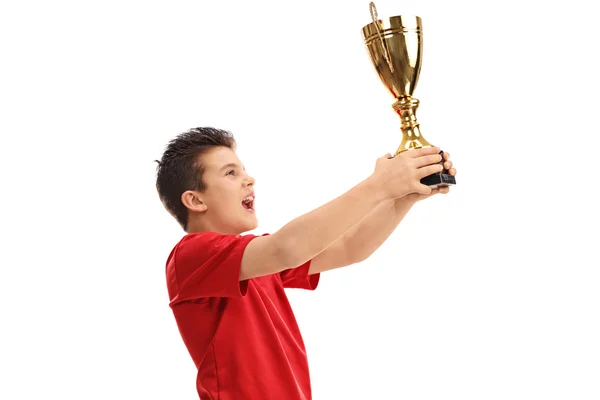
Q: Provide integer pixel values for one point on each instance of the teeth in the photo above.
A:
(248, 199)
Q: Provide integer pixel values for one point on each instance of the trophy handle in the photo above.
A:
(377, 22)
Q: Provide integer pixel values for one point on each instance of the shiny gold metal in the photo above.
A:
(395, 46)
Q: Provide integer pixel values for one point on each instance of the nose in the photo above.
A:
(249, 180)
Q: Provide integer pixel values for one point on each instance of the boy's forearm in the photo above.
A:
(308, 235)
(372, 231)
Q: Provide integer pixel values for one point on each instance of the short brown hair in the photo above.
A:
(181, 169)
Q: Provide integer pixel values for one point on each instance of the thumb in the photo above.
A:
(387, 155)
(424, 190)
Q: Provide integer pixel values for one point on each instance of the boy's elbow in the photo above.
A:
(265, 256)
(287, 254)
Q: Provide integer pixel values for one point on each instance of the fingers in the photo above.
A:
(432, 191)
(423, 189)
(423, 151)
(430, 164)
(429, 170)
(448, 165)
(428, 160)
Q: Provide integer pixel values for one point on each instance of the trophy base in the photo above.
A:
(438, 180)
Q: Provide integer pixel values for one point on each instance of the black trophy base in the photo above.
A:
(439, 179)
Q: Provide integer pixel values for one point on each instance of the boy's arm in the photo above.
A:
(306, 236)
(364, 238)
(303, 238)
(372, 231)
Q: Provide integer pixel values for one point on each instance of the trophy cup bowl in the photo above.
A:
(395, 46)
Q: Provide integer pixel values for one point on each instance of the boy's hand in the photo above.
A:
(399, 176)
(448, 166)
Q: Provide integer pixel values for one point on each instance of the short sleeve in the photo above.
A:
(298, 278)
(205, 265)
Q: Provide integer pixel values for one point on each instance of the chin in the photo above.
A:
(253, 225)
(248, 224)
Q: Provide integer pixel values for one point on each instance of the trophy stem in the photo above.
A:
(406, 108)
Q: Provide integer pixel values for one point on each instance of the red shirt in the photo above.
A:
(242, 335)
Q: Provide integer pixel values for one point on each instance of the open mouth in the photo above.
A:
(248, 203)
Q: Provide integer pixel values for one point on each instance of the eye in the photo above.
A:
(231, 172)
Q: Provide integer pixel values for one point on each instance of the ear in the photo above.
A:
(193, 201)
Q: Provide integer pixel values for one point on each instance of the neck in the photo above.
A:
(197, 225)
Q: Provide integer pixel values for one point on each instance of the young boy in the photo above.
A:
(226, 288)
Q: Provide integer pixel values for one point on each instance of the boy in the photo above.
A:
(226, 289)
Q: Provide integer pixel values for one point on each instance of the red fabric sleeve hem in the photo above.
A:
(215, 276)
(298, 278)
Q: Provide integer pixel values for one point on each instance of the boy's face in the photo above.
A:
(228, 205)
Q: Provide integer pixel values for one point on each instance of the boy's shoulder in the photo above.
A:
(214, 238)
(199, 244)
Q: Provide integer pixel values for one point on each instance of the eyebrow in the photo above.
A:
(231, 165)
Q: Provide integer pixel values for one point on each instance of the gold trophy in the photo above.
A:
(395, 46)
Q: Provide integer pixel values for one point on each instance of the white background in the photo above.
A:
(490, 292)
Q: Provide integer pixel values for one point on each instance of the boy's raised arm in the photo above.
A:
(308, 235)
